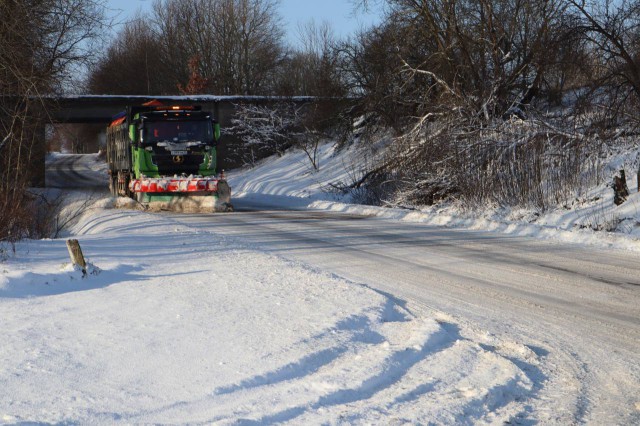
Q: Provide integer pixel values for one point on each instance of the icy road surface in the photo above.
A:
(80, 171)
(576, 308)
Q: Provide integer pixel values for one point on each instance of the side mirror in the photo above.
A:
(132, 133)
(216, 131)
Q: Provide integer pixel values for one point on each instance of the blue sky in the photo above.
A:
(339, 13)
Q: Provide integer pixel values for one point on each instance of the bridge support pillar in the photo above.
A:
(38, 156)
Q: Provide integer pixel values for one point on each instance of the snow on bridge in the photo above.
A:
(100, 108)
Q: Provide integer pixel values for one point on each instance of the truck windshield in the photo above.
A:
(178, 131)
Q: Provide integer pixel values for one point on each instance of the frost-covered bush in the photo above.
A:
(273, 128)
(508, 162)
(264, 129)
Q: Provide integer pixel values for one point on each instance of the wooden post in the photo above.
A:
(625, 188)
(75, 252)
(620, 189)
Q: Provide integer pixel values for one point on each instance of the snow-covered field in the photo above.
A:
(174, 324)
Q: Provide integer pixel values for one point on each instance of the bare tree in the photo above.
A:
(238, 42)
(312, 67)
(41, 44)
(133, 63)
(490, 53)
(369, 64)
(264, 130)
(612, 31)
(233, 46)
(268, 129)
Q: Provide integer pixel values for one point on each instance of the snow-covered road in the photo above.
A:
(76, 171)
(577, 308)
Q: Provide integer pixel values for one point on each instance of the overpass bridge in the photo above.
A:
(101, 109)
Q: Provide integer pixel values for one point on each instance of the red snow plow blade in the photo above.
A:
(163, 185)
(189, 194)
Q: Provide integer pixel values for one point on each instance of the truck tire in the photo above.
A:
(113, 185)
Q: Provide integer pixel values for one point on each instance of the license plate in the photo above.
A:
(178, 152)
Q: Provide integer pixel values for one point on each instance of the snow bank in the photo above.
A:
(183, 326)
(289, 181)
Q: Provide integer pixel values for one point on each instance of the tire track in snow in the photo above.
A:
(72, 171)
(514, 285)
(391, 371)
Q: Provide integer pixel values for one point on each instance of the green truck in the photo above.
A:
(165, 157)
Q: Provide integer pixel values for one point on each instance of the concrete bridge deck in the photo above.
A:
(100, 108)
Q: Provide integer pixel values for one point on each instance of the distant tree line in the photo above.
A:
(233, 47)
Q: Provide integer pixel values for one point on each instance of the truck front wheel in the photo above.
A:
(122, 182)
(113, 185)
